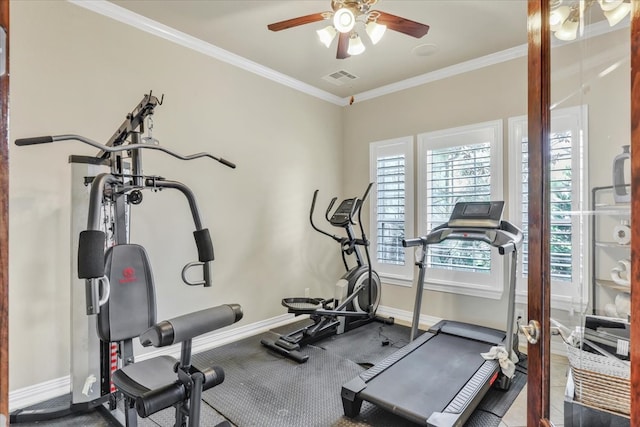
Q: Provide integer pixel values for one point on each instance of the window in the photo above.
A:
(568, 197)
(455, 165)
(391, 164)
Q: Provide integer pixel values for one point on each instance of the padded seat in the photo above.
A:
(141, 377)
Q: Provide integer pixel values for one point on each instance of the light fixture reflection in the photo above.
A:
(558, 16)
(616, 15)
(326, 35)
(356, 47)
(609, 4)
(568, 31)
(344, 20)
(564, 20)
(375, 31)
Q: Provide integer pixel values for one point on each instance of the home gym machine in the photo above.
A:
(357, 291)
(439, 378)
(115, 295)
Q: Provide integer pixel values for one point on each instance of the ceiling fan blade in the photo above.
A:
(402, 25)
(300, 20)
(343, 45)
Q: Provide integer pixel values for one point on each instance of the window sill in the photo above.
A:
(465, 289)
(454, 288)
(391, 279)
(558, 302)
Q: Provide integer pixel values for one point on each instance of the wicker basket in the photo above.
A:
(600, 382)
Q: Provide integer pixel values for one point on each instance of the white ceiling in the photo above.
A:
(461, 30)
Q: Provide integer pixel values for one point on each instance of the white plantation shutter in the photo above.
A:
(568, 197)
(391, 168)
(390, 217)
(457, 174)
(561, 205)
(461, 164)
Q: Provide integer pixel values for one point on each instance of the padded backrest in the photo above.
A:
(131, 308)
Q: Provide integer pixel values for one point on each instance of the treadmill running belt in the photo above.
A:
(428, 379)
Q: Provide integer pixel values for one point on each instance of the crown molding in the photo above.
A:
(515, 52)
(125, 16)
(120, 14)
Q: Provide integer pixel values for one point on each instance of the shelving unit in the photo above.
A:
(608, 209)
(605, 252)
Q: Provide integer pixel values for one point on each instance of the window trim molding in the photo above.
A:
(493, 286)
(517, 128)
(389, 273)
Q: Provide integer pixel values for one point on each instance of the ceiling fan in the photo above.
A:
(344, 15)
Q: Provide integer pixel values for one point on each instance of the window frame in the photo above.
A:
(460, 282)
(574, 119)
(392, 273)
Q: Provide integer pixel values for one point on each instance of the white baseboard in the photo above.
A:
(406, 316)
(46, 390)
(39, 392)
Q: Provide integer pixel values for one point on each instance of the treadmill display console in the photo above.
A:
(476, 214)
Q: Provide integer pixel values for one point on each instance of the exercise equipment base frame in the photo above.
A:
(470, 391)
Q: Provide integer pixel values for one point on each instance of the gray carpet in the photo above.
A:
(265, 389)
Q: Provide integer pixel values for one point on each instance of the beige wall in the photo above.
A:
(74, 71)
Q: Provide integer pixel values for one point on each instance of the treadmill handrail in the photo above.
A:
(506, 238)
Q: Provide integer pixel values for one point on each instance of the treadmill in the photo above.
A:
(439, 378)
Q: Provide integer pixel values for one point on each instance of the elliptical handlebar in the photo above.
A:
(313, 207)
(331, 203)
(88, 141)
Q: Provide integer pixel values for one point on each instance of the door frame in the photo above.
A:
(539, 284)
(4, 225)
(539, 278)
(635, 209)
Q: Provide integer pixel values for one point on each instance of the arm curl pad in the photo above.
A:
(205, 247)
(91, 254)
(190, 325)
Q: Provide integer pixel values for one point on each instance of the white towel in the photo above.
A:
(507, 364)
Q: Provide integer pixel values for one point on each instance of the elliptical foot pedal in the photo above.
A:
(302, 304)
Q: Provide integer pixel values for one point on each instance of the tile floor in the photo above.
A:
(517, 414)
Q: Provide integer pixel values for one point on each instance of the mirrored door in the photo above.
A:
(581, 199)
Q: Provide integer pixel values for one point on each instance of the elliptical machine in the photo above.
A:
(357, 291)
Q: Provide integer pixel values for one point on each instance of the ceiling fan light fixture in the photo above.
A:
(326, 35)
(568, 31)
(344, 20)
(375, 31)
(616, 15)
(607, 5)
(558, 16)
(356, 47)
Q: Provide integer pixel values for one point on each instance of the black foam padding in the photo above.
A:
(197, 323)
(159, 399)
(159, 335)
(131, 308)
(91, 254)
(204, 244)
(34, 140)
(213, 376)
